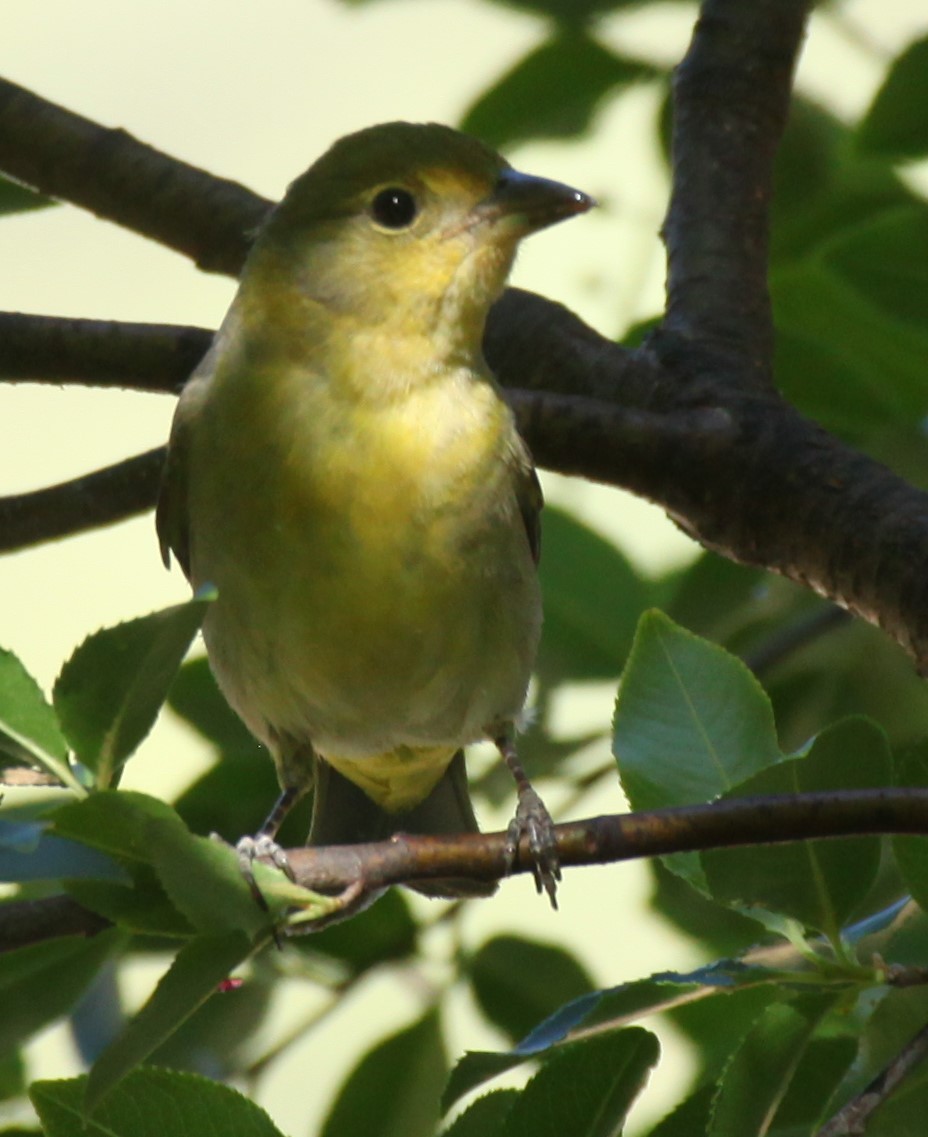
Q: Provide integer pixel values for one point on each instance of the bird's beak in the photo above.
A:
(531, 203)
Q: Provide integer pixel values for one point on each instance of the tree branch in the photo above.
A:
(853, 1117)
(114, 493)
(621, 837)
(731, 97)
(115, 176)
(594, 841)
(99, 353)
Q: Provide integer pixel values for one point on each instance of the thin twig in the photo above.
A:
(799, 634)
(851, 1120)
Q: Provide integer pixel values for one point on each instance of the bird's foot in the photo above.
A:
(250, 849)
(532, 820)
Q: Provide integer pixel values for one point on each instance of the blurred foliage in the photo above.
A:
(743, 684)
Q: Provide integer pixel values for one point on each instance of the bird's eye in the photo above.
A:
(394, 208)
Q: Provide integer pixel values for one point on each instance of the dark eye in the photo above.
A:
(394, 208)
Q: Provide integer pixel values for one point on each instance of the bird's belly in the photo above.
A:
(384, 630)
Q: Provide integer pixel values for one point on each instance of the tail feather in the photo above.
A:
(344, 815)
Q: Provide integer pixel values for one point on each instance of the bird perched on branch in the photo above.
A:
(345, 472)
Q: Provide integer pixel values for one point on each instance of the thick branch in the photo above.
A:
(117, 177)
(731, 97)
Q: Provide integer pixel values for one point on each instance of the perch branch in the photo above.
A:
(593, 841)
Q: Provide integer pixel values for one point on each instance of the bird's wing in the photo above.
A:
(530, 499)
(171, 519)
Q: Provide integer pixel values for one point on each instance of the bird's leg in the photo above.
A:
(263, 843)
(294, 762)
(533, 821)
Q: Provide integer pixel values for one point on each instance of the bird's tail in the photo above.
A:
(344, 815)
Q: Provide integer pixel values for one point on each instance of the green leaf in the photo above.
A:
(142, 908)
(896, 124)
(761, 1070)
(586, 1088)
(593, 598)
(219, 1037)
(805, 1103)
(518, 982)
(116, 821)
(884, 262)
(150, 1103)
(394, 1089)
(855, 310)
(553, 92)
(613, 1008)
(712, 595)
(903, 1113)
(12, 1077)
(819, 883)
(486, 1117)
(204, 880)
(475, 1068)
(201, 877)
(29, 730)
(110, 691)
(691, 721)
(195, 974)
(689, 1118)
(824, 185)
(42, 982)
(892, 1023)
(15, 198)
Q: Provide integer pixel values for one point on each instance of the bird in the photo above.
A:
(344, 471)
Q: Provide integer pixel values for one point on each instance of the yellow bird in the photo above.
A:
(344, 471)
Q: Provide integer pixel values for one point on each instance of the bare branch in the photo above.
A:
(111, 494)
(99, 353)
(356, 869)
(24, 922)
(115, 176)
(852, 1118)
(622, 837)
(731, 97)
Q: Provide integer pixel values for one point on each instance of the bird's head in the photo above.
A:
(408, 228)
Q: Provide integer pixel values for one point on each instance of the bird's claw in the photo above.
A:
(533, 821)
(250, 849)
